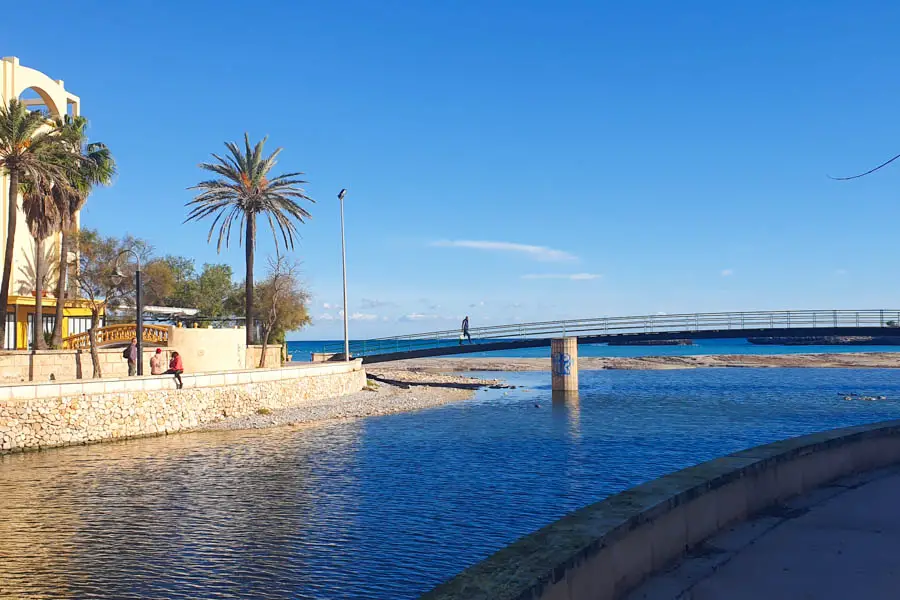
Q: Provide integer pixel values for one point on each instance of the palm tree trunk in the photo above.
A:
(250, 241)
(10, 247)
(92, 336)
(62, 276)
(39, 295)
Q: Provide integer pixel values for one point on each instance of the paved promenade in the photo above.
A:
(840, 541)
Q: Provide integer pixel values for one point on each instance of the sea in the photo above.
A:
(301, 351)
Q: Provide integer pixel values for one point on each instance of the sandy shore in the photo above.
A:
(850, 360)
(390, 391)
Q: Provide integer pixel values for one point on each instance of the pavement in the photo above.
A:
(839, 541)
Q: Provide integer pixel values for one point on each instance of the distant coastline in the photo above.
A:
(828, 340)
(846, 360)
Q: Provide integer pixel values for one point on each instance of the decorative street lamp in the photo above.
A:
(341, 195)
(139, 301)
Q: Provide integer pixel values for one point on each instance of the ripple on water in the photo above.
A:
(384, 507)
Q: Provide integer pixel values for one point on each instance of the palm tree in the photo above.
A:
(43, 214)
(243, 191)
(95, 167)
(29, 152)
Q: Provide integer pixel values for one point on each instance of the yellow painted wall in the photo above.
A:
(24, 306)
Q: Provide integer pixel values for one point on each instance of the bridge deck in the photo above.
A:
(805, 323)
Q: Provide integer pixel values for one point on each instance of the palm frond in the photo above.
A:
(242, 188)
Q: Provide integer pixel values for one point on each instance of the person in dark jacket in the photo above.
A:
(131, 356)
(465, 330)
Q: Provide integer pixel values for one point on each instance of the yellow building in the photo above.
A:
(39, 91)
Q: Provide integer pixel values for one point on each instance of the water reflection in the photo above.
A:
(383, 507)
(139, 517)
(567, 407)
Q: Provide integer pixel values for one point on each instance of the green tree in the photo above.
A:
(158, 282)
(244, 190)
(31, 151)
(94, 166)
(281, 303)
(97, 282)
(214, 287)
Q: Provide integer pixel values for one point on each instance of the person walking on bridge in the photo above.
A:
(465, 331)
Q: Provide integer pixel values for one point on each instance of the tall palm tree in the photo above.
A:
(95, 167)
(43, 215)
(29, 152)
(243, 191)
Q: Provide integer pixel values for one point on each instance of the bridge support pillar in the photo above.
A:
(564, 364)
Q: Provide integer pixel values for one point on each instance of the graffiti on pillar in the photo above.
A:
(562, 363)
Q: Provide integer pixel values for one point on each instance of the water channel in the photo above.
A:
(386, 507)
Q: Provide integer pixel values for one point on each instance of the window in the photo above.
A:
(10, 342)
(78, 325)
(49, 322)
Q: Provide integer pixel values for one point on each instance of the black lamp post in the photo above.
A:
(139, 309)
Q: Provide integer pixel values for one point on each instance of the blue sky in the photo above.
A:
(511, 160)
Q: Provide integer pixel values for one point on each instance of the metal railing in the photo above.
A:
(112, 334)
(614, 326)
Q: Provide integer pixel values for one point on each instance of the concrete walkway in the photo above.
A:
(840, 541)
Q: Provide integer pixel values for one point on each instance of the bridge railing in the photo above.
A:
(112, 334)
(612, 326)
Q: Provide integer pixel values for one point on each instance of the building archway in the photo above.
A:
(36, 98)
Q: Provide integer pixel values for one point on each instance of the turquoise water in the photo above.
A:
(385, 507)
(301, 350)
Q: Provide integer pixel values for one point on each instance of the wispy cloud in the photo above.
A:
(328, 306)
(358, 316)
(541, 253)
(424, 317)
(727, 272)
(418, 317)
(569, 276)
(369, 303)
(840, 272)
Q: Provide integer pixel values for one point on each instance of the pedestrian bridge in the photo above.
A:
(782, 323)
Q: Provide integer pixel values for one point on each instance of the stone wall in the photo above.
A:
(63, 365)
(273, 356)
(43, 415)
(205, 349)
(70, 365)
(603, 551)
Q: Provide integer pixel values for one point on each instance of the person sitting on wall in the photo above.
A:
(156, 363)
(176, 368)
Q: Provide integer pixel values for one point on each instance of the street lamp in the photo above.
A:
(139, 301)
(341, 195)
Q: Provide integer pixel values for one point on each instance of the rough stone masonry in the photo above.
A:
(113, 409)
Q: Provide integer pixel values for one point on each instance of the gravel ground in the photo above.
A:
(391, 391)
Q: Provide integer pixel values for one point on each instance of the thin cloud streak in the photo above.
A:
(569, 276)
(541, 253)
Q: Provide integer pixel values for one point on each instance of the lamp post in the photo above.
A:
(341, 195)
(139, 308)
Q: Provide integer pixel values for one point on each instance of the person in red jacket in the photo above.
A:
(176, 368)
